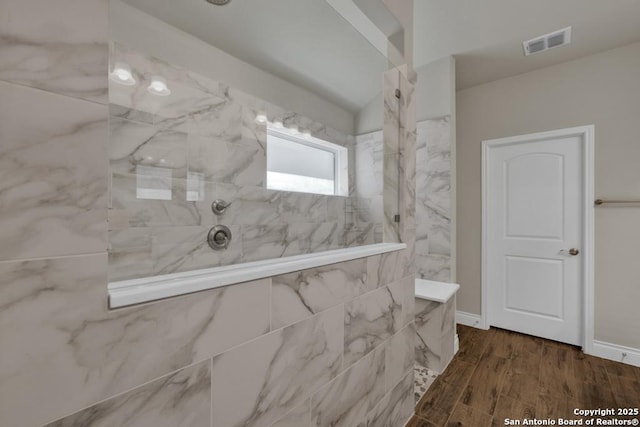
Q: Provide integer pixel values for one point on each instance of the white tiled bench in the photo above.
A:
(435, 316)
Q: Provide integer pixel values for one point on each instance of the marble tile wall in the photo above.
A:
(391, 155)
(169, 158)
(343, 359)
(366, 207)
(435, 328)
(53, 195)
(407, 158)
(180, 399)
(433, 200)
(63, 347)
(52, 50)
(269, 358)
(180, 361)
(50, 204)
(381, 166)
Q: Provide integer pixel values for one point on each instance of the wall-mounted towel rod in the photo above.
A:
(599, 202)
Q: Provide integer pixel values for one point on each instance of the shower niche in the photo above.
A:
(229, 147)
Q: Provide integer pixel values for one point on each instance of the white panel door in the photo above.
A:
(534, 223)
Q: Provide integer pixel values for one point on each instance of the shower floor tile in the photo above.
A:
(423, 378)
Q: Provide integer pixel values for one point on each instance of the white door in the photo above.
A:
(534, 234)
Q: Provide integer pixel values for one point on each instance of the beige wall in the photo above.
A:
(603, 90)
(435, 91)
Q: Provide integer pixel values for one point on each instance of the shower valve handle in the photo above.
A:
(219, 206)
(219, 237)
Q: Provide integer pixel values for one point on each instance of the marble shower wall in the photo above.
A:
(407, 160)
(53, 187)
(46, 47)
(391, 155)
(326, 346)
(53, 91)
(239, 355)
(170, 157)
(435, 333)
(433, 200)
(384, 167)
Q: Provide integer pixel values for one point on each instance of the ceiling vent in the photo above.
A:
(548, 41)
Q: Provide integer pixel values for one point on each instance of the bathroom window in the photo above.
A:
(305, 164)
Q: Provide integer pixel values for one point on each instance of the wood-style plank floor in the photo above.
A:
(500, 374)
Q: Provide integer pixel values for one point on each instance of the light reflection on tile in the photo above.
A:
(153, 183)
(134, 144)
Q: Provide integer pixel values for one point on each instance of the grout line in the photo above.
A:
(279, 330)
(290, 411)
(211, 392)
(53, 257)
(343, 332)
(343, 303)
(270, 302)
(119, 394)
(50, 92)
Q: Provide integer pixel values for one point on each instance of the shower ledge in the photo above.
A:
(136, 291)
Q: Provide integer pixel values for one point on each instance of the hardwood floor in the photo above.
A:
(499, 374)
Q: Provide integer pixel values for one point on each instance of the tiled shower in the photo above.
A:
(331, 345)
(169, 160)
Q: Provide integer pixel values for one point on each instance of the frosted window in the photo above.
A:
(303, 165)
(295, 158)
(301, 183)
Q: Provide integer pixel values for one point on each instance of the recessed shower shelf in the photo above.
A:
(137, 291)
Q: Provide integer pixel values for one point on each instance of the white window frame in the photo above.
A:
(340, 156)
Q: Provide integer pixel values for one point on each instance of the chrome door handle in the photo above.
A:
(573, 252)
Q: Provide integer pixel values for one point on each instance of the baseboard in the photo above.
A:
(617, 353)
(469, 319)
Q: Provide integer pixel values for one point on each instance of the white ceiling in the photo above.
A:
(486, 35)
(303, 41)
(309, 44)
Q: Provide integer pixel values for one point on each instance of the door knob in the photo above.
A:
(573, 251)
